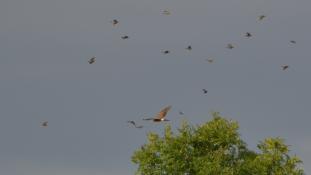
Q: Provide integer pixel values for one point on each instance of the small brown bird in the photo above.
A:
(204, 91)
(284, 67)
(293, 41)
(166, 52)
(261, 17)
(133, 123)
(161, 115)
(189, 48)
(166, 12)
(92, 60)
(44, 124)
(248, 35)
(114, 22)
(125, 37)
(230, 46)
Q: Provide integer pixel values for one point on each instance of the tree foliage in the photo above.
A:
(214, 148)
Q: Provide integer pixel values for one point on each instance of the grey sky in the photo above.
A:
(44, 75)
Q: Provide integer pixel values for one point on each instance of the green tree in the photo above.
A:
(214, 148)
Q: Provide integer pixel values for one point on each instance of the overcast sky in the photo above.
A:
(44, 75)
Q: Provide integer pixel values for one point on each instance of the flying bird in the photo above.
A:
(248, 35)
(166, 52)
(293, 41)
(125, 37)
(230, 46)
(114, 22)
(204, 91)
(166, 12)
(261, 17)
(161, 115)
(284, 67)
(133, 123)
(92, 60)
(189, 48)
(181, 113)
(44, 124)
(210, 60)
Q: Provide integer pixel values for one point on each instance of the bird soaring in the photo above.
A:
(284, 67)
(248, 35)
(230, 46)
(166, 52)
(92, 60)
(44, 124)
(125, 37)
(189, 48)
(204, 91)
(114, 22)
(133, 123)
(261, 17)
(161, 115)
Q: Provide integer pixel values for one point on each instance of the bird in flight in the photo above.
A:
(293, 41)
(166, 52)
(189, 48)
(204, 91)
(230, 46)
(166, 12)
(114, 22)
(92, 60)
(261, 17)
(134, 124)
(284, 67)
(125, 37)
(210, 60)
(248, 35)
(161, 115)
(44, 124)
(181, 113)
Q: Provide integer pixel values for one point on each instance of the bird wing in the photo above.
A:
(163, 112)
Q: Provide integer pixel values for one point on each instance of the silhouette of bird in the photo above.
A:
(210, 60)
(284, 67)
(114, 22)
(166, 52)
(133, 123)
(161, 115)
(166, 12)
(181, 113)
(125, 37)
(230, 46)
(44, 124)
(293, 41)
(261, 17)
(92, 60)
(189, 48)
(204, 91)
(248, 35)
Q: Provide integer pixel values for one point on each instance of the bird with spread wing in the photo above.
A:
(161, 115)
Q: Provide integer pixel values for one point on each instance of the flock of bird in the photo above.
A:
(161, 116)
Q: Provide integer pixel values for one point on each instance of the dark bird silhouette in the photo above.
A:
(204, 91)
(92, 60)
(230, 46)
(293, 41)
(125, 37)
(261, 17)
(210, 60)
(44, 124)
(161, 115)
(181, 113)
(189, 48)
(114, 22)
(133, 123)
(284, 67)
(166, 52)
(248, 35)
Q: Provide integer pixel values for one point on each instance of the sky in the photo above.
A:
(44, 75)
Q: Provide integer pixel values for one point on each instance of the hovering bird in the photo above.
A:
(261, 17)
(210, 60)
(161, 115)
(248, 35)
(166, 52)
(204, 91)
(166, 12)
(133, 123)
(293, 41)
(114, 22)
(92, 60)
(284, 67)
(230, 46)
(189, 48)
(125, 37)
(44, 124)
